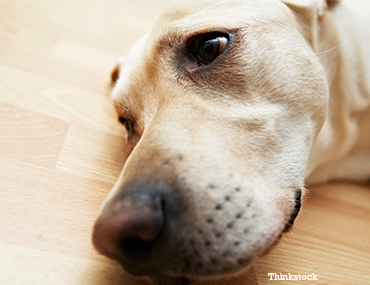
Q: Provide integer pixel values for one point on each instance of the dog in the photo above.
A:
(230, 107)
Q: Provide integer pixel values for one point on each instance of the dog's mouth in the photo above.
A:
(144, 231)
(189, 278)
(297, 208)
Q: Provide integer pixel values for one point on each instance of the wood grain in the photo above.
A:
(22, 132)
(61, 150)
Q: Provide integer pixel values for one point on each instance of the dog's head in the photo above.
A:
(221, 102)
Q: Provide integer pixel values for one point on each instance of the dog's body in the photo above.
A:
(341, 150)
(221, 145)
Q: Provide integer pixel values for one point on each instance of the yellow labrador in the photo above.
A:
(230, 106)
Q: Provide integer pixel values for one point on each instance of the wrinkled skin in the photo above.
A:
(233, 140)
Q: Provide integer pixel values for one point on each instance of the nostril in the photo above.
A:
(130, 230)
(136, 248)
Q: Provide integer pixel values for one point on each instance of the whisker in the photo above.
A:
(333, 48)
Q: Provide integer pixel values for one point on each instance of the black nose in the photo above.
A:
(297, 207)
(129, 229)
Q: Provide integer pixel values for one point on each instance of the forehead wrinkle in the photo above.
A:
(186, 16)
(180, 30)
(177, 10)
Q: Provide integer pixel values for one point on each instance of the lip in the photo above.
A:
(164, 280)
(188, 278)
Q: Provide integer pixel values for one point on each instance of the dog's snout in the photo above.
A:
(129, 228)
(296, 209)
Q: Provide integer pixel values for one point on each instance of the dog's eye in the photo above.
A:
(206, 50)
(128, 125)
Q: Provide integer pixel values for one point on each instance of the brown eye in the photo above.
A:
(128, 125)
(206, 50)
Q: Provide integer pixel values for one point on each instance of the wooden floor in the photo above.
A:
(61, 151)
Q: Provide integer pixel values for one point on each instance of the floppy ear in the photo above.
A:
(307, 13)
(116, 71)
(114, 75)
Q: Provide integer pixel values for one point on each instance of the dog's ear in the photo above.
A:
(116, 71)
(114, 75)
(307, 13)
